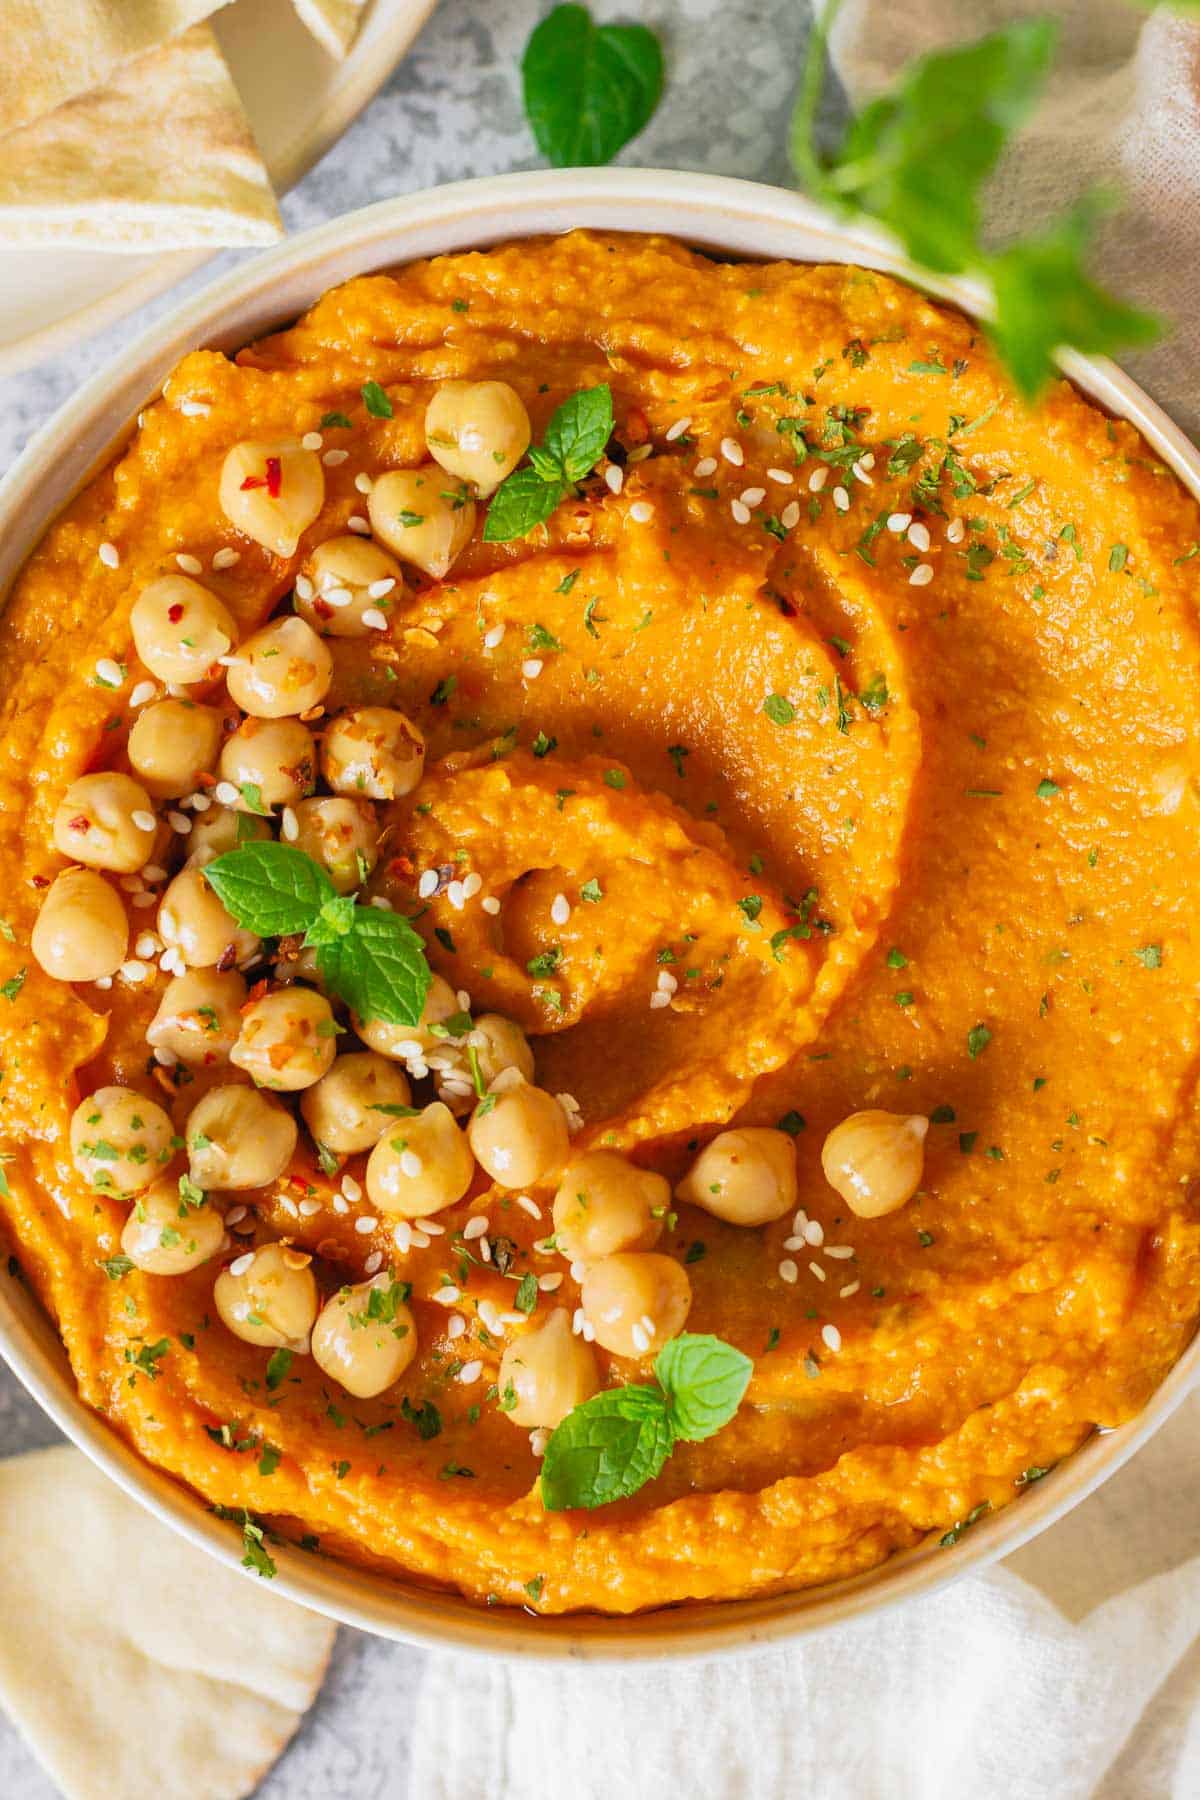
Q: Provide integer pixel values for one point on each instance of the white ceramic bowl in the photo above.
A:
(743, 220)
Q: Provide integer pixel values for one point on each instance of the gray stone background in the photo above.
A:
(451, 109)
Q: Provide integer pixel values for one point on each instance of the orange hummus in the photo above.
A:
(868, 703)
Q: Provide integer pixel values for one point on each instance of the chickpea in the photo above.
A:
(341, 835)
(342, 572)
(518, 1133)
(272, 761)
(82, 931)
(180, 629)
(282, 670)
(875, 1160)
(418, 515)
(272, 492)
(500, 1044)
(372, 752)
(288, 1040)
(605, 1203)
(222, 829)
(746, 1177)
(269, 1297)
(349, 1109)
(199, 1017)
(441, 1003)
(238, 1137)
(192, 920)
(172, 744)
(635, 1303)
(166, 1234)
(106, 821)
(420, 1165)
(120, 1140)
(477, 430)
(365, 1351)
(550, 1371)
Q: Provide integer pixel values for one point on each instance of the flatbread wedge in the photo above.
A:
(136, 1667)
(55, 49)
(160, 158)
(334, 23)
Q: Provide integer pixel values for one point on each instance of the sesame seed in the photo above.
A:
(475, 1227)
(191, 565)
(134, 971)
(918, 536)
(402, 1238)
(378, 590)
(304, 588)
(333, 459)
(309, 1208)
(470, 1372)
(641, 512)
(814, 1233)
(732, 451)
(456, 1325)
(529, 1206)
(410, 1164)
(839, 1252)
(355, 522)
(490, 905)
(800, 1221)
(374, 619)
(144, 899)
(147, 944)
(706, 466)
(411, 1048)
(108, 673)
(103, 981)
(109, 555)
(225, 559)
(658, 1000)
(899, 522)
(539, 1437)
(818, 478)
(790, 515)
(921, 576)
(740, 511)
(455, 895)
(179, 822)
(784, 477)
(641, 1338)
(337, 596)
(793, 1243)
(677, 429)
(427, 886)
(192, 409)
(365, 1225)
(548, 1284)
(350, 1188)
(531, 668)
(143, 693)
(152, 872)
(339, 1204)
(432, 1229)
(841, 499)
(225, 792)
(788, 1271)
(868, 461)
(145, 821)
(858, 470)
(954, 531)
(470, 887)
(236, 1214)
(831, 1336)
(373, 1262)
(241, 1264)
(753, 496)
(493, 637)
(560, 909)
(666, 981)
(614, 478)
(851, 1287)
(817, 1270)
(640, 453)
(289, 824)
(312, 440)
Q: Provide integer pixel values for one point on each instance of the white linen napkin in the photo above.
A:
(1073, 1671)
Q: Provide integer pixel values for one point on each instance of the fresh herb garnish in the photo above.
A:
(588, 88)
(376, 401)
(573, 445)
(614, 1443)
(373, 959)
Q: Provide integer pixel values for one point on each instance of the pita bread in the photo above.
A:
(334, 23)
(161, 158)
(135, 1667)
(55, 49)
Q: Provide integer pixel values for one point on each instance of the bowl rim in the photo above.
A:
(737, 218)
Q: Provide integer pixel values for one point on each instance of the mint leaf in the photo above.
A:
(588, 88)
(336, 919)
(522, 501)
(271, 889)
(704, 1380)
(277, 1368)
(606, 1449)
(378, 968)
(1045, 299)
(376, 401)
(579, 430)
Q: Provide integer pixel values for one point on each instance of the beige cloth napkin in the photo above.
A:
(1073, 1671)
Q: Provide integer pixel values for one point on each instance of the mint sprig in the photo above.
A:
(916, 160)
(373, 959)
(588, 88)
(614, 1443)
(573, 445)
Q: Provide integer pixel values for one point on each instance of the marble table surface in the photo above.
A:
(451, 109)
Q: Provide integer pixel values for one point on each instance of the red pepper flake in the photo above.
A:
(80, 822)
(175, 612)
(40, 881)
(274, 476)
(402, 866)
(253, 481)
(255, 995)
